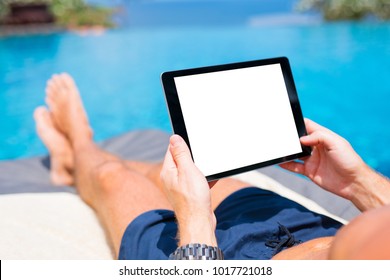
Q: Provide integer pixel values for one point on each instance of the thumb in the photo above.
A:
(180, 151)
(317, 138)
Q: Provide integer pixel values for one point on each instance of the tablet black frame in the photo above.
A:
(177, 119)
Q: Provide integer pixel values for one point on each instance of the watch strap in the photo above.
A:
(196, 251)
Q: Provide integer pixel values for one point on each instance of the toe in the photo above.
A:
(51, 88)
(44, 123)
(68, 81)
(59, 178)
(51, 103)
(62, 81)
(40, 114)
(57, 82)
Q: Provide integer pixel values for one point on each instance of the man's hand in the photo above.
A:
(336, 167)
(189, 194)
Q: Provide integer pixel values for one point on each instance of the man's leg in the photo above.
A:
(117, 193)
(118, 190)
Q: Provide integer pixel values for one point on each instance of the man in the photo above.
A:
(144, 207)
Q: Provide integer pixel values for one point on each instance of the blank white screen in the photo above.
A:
(237, 118)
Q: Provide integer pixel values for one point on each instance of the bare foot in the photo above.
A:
(61, 156)
(67, 109)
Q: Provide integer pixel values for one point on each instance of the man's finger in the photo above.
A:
(312, 126)
(168, 163)
(318, 137)
(180, 151)
(169, 168)
(293, 166)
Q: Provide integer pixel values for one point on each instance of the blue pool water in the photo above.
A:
(341, 72)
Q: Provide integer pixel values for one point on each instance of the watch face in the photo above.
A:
(197, 251)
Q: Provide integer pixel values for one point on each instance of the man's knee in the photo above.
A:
(109, 174)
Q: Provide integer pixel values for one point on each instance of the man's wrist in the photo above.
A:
(197, 229)
(370, 190)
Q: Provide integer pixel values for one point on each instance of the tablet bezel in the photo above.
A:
(177, 119)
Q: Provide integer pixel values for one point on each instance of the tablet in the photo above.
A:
(236, 117)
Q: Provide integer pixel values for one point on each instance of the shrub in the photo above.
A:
(73, 13)
(348, 9)
(69, 13)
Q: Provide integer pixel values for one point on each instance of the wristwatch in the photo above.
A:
(196, 251)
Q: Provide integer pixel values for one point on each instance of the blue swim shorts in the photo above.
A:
(247, 220)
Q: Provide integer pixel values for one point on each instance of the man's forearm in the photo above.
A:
(371, 190)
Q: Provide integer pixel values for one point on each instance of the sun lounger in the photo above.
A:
(40, 221)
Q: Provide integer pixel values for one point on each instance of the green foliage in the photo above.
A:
(70, 13)
(74, 13)
(348, 9)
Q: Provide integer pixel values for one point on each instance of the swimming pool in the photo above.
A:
(341, 72)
